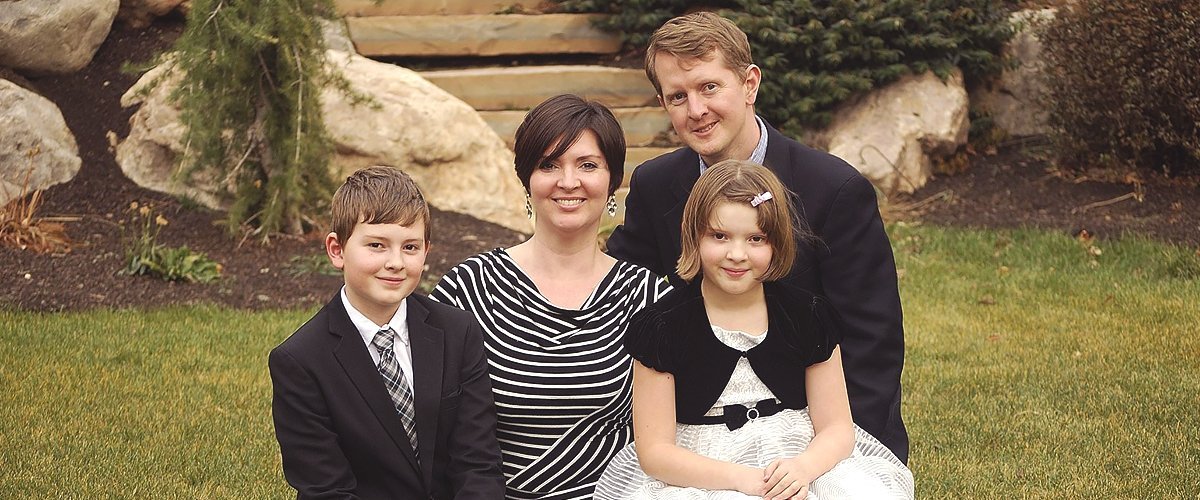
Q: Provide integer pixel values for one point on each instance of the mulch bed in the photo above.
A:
(1010, 189)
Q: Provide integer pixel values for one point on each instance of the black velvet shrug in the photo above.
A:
(674, 335)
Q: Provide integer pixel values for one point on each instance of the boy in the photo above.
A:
(385, 394)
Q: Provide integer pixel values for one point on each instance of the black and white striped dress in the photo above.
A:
(561, 378)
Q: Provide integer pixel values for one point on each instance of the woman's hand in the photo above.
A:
(786, 478)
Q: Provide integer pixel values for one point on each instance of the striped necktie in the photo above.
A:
(397, 385)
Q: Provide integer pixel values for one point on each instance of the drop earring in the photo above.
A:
(612, 205)
(528, 207)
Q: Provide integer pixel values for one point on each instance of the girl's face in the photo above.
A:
(569, 193)
(734, 251)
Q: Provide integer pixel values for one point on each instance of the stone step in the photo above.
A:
(509, 88)
(641, 125)
(480, 35)
(365, 8)
(636, 156)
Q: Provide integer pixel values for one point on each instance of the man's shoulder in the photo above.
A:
(815, 162)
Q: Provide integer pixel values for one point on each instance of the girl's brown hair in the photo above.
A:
(738, 181)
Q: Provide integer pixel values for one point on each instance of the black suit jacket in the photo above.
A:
(339, 432)
(851, 264)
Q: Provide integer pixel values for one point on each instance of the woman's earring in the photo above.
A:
(612, 205)
(528, 207)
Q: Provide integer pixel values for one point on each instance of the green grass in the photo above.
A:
(1035, 368)
(165, 404)
(1038, 369)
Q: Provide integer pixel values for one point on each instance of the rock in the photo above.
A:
(140, 13)
(1012, 100)
(460, 163)
(53, 36)
(890, 134)
(37, 150)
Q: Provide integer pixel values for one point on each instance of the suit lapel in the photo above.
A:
(427, 344)
(687, 172)
(352, 354)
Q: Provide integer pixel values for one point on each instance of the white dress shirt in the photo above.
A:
(367, 329)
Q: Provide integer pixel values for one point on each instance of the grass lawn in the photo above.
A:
(1038, 366)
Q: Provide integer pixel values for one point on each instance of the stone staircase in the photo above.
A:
(494, 29)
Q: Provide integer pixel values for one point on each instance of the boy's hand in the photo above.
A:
(785, 478)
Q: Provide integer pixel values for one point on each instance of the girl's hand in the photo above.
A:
(750, 481)
(785, 478)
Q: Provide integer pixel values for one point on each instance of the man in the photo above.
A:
(700, 65)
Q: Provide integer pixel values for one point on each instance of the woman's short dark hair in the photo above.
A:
(567, 116)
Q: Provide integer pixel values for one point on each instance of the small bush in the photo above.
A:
(818, 54)
(1123, 83)
(21, 228)
(144, 255)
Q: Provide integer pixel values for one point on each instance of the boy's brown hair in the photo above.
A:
(739, 181)
(377, 195)
(699, 35)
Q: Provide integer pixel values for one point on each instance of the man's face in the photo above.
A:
(711, 107)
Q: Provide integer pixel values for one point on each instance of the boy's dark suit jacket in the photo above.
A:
(852, 264)
(340, 434)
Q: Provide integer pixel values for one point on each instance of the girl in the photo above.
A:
(738, 388)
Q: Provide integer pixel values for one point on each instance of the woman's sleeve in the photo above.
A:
(647, 340)
(448, 289)
(827, 328)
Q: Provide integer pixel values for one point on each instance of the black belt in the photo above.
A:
(735, 416)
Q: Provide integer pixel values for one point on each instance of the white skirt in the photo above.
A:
(871, 472)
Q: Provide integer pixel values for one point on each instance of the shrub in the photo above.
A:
(144, 255)
(250, 95)
(818, 54)
(1123, 83)
(22, 228)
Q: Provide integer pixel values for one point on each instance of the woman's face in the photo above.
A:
(569, 193)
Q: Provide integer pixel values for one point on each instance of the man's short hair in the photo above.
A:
(377, 195)
(739, 181)
(699, 35)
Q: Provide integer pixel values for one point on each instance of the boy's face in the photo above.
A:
(710, 106)
(381, 263)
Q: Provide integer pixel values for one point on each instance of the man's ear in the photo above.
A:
(753, 78)
(334, 250)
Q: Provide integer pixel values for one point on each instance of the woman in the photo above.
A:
(554, 308)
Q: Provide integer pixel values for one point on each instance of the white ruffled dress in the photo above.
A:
(871, 472)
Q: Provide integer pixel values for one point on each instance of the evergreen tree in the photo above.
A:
(253, 71)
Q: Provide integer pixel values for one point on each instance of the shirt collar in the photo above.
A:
(759, 155)
(367, 328)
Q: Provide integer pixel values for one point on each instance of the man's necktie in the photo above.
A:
(397, 385)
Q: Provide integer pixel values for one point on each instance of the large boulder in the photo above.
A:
(893, 133)
(53, 36)
(1013, 99)
(140, 13)
(460, 163)
(37, 150)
